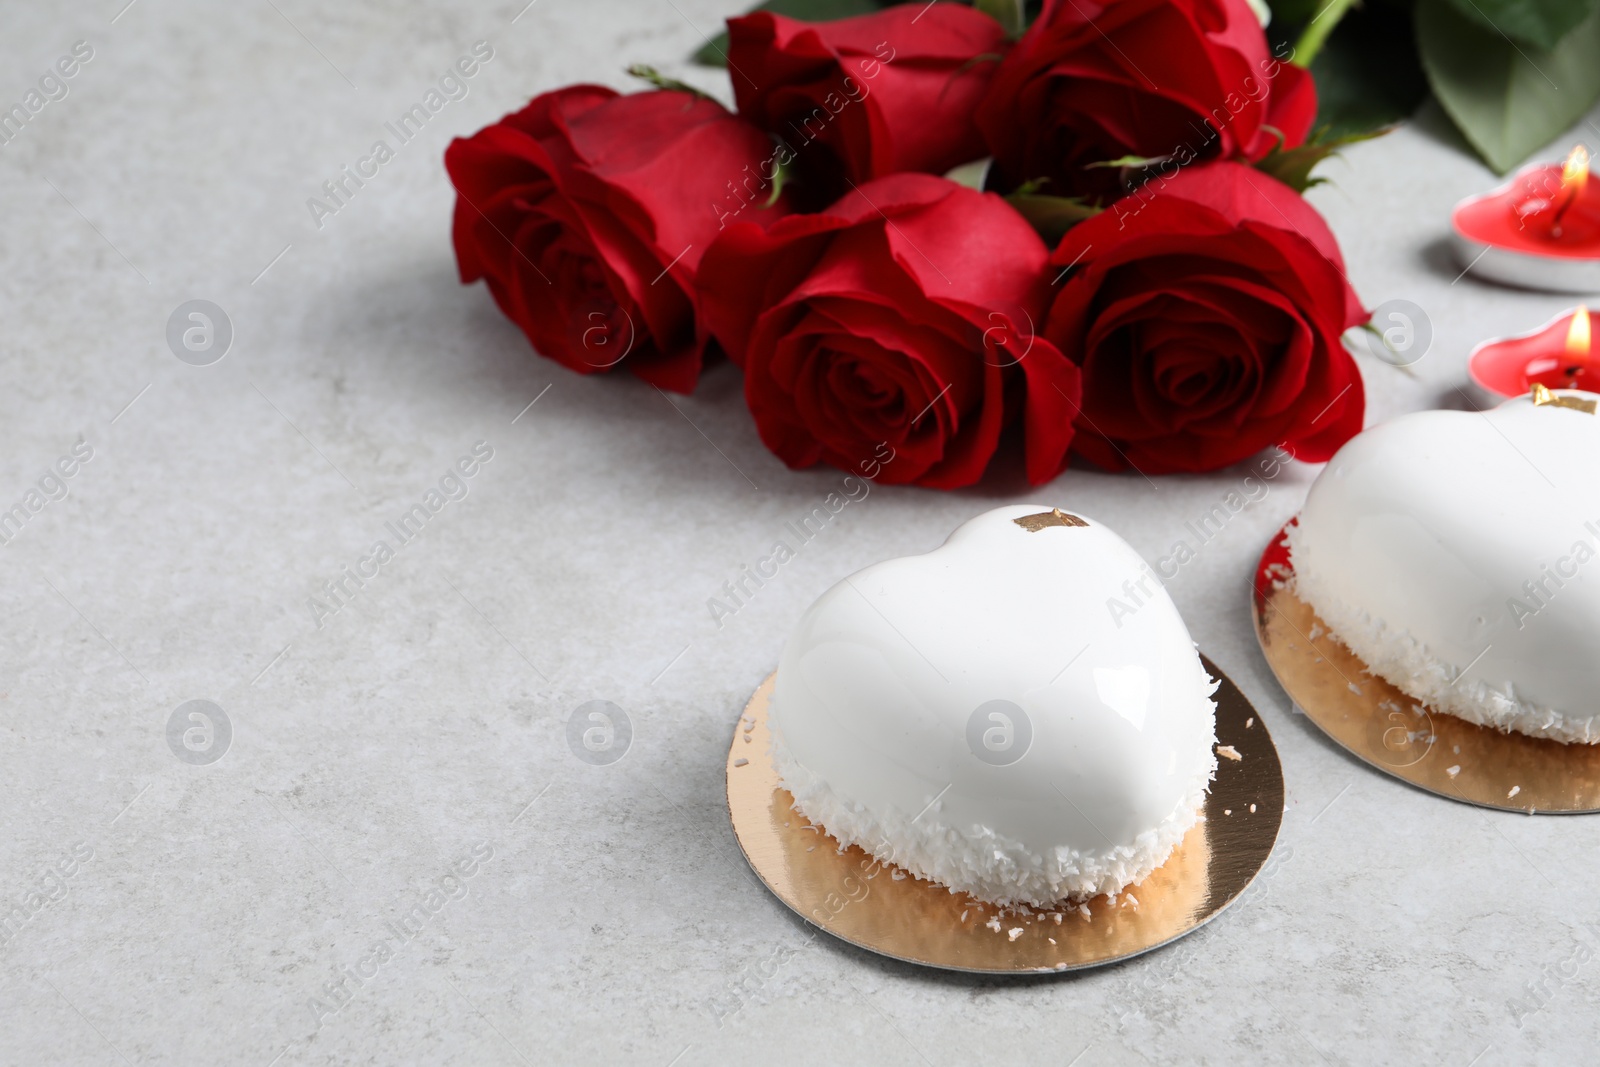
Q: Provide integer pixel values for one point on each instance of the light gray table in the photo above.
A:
(427, 718)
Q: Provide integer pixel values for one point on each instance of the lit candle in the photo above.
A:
(1555, 356)
(1541, 230)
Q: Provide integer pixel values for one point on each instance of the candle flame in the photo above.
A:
(1578, 336)
(1575, 172)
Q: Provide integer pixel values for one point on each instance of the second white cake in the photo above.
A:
(1454, 552)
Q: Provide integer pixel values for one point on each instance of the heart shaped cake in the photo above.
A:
(1452, 552)
(1019, 714)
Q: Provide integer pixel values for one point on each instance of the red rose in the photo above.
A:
(587, 212)
(1098, 80)
(869, 96)
(1206, 311)
(898, 323)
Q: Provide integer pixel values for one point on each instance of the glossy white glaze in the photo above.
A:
(879, 682)
(1455, 552)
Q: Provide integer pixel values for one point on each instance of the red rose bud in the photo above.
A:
(1174, 80)
(1206, 312)
(861, 98)
(588, 212)
(898, 323)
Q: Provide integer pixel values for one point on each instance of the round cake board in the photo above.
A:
(886, 910)
(1394, 732)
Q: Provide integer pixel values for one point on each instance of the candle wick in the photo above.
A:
(1568, 198)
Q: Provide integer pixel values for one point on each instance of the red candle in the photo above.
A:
(1556, 356)
(1540, 230)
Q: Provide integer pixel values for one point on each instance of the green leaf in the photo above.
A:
(1368, 77)
(1541, 23)
(1008, 13)
(715, 52)
(1052, 216)
(1128, 161)
(645, 72)
(785, 175)
(1507, 100)
(1396, 358)
(1294, 166)
(972, 175)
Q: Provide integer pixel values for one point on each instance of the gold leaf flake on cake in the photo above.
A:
(1046, 519)
(1543, 397)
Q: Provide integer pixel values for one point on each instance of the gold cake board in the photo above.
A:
(883, 909)
(1394, 732)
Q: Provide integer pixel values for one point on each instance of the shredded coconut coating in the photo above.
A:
(1397, 657)
(979, 861)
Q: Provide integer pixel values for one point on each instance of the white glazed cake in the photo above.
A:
(983, 718)
(1452, 551)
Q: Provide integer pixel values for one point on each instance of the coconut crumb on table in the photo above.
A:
(1051, 940)
(740, 762)
(964, 915)
(1252, 809)
(1251, 721)
(1013, 933)
(1453, 771)
(1514, 791)
(1229, 752)
(994, 924)
(1227, 811)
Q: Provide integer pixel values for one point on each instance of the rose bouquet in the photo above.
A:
(932, 229)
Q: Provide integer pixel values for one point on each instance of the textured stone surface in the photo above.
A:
(429, 716)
